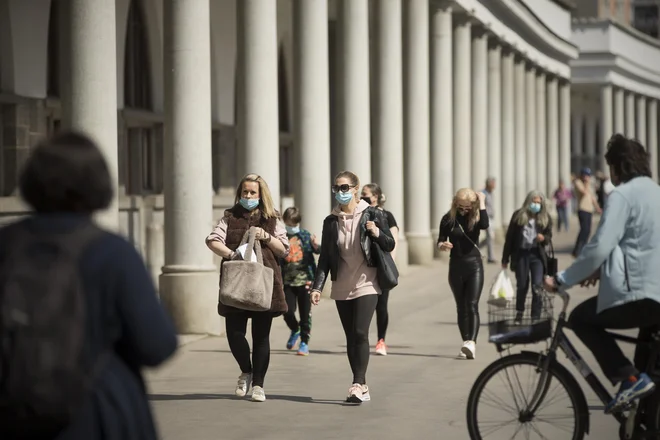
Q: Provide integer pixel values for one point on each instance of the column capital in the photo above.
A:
(444, 5)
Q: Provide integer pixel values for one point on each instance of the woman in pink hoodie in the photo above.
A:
(349, 234)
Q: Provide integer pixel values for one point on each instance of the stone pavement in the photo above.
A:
(419, 390)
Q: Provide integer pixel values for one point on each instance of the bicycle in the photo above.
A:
(640, 420)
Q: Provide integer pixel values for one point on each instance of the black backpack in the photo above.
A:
(43, 376)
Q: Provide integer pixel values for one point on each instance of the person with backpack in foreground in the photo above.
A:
(79, 315)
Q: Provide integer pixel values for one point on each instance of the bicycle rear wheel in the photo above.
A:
(650, 418)
(562, 413)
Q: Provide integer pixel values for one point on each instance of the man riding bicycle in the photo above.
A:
(624, 255)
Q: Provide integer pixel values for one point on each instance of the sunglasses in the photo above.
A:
(343, 188)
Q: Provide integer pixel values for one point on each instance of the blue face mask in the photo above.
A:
(292, 230)
(344, 198)
(249, 204)
(534, 208)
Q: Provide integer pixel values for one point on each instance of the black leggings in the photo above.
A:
(298, 295)
(355, 315)
(382, 317)
(236, 327)
(466, 279)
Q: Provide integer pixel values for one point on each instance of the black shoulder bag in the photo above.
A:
(388, 274)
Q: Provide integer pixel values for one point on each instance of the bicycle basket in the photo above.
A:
(507, 325)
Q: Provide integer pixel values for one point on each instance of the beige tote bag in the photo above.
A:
(245, 284)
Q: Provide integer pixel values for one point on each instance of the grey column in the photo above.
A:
(530, 129)
(541, 132)
(630, 115)
(520, 150)
(479, 107)
(442, 117)
(388, 113)
(417, 131)
(652, 146)
(606, 122)
(641, 119)
(495, 127)
(90, 103)
(553, 134)
(354, 106)
(508, 185)
(312, 110)
(619, 112)
(462, 103)
(189, 283)
(590, 138)
(258, 126)
(565, 131)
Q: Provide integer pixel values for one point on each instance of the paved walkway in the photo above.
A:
(419, 390)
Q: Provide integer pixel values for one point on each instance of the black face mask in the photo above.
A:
(367, 199)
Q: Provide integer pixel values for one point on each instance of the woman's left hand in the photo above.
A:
(482, 199)
(371, 227)
(540, 238)
(261, 234)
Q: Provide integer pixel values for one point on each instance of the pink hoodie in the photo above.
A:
(354, 277)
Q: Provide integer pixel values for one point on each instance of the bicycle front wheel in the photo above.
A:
(500, 399)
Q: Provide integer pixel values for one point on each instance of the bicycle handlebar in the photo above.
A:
(564, 295)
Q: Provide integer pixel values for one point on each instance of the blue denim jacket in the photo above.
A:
(626, 247)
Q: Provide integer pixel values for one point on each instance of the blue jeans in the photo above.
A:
(562, 217)
(529, 266)
(585, 231)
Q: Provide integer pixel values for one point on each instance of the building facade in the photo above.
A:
(185, 96)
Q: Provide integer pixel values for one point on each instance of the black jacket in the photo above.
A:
(513, 243)
(329, 259)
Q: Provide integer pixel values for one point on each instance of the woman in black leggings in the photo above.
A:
(347, 255)
(373, 195)
(459, 234)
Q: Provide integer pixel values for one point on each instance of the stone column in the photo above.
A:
(508, 185)
(553, 134)
(258, 127)
(495, 129)
(541, 132)
(354, 118)
(530, 130)
(312, 111)
(189, 283)
(442, 117)
(462, 103)
(606, 123)
(652, 146)
(479, 107)
(641, 119)
(519, 117)
(90, 97)
(565, 131)
(619, 112)
(417, 131)
(590, 139)
(630, 115)
(388, 114)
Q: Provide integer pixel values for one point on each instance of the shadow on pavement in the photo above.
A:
(342, 353)
(299, 399)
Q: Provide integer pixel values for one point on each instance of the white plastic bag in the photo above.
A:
(501, 292)
(242, 249)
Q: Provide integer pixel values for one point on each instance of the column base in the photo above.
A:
(420, 249)
(500, 235)
(402, 256)
(191, 299)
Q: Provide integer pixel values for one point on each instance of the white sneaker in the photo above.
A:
(243, 384)
(358, 393)
(461, 355)
(258, 394)
(469, 349)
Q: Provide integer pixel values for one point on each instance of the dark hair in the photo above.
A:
(378, 192)
(628, 158)
(66, 173)
(292, 214)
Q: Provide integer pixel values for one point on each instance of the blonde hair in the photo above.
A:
(466, 195)
(353, 178)
(523, 215)
(266, 205)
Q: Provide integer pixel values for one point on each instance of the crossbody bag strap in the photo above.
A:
(468, 237)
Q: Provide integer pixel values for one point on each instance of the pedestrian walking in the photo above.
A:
(528, 234)
(298, 269)
(373, 195)
(490, 210)
(563, 197)
(459, 235)
(253, 208)
(347, 255)
(587, 204)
